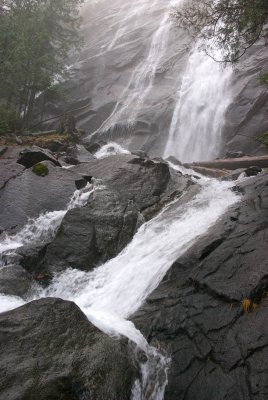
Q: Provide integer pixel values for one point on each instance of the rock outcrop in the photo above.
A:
(29, 157)
(15, 281)
(50, 351)
(26, 195)
(135, 189)
(210, 311)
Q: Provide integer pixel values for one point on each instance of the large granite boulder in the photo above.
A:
(135, 189)
(9, 169)
(15, 281)
(211, 310)
(26, 194)
(29, 157)
(50, 351)
(92, 234)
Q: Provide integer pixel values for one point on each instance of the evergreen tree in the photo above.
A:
(36, 37)
(232, 25)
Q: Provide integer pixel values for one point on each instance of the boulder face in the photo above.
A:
(50, 351)
(27, 195)
(29, 157)
(15, 281)
(134, 190)
(211, 310)
(92, 234)
(247, 117)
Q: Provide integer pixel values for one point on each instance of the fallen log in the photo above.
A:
(232, 163)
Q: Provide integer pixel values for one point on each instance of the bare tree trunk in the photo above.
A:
(29, 116)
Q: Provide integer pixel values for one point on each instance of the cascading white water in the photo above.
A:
(110, 149)
(113, 292)
(41, 229)
(142, 78)
(202, 100)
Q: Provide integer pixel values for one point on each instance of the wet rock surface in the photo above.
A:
(210, 311)
(246, 118)
(50, 351)
(134, 190)
(29, 157)
(15, 281)
(26, 195)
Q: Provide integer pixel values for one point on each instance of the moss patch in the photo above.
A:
(40, 169)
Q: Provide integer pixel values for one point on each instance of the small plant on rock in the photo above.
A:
(40, 169)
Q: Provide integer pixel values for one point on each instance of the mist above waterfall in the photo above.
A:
(149, 86)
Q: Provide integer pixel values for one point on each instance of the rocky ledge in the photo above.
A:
(50, 351)
(211, 311)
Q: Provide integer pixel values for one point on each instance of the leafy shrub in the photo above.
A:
(10, 121)
(264, 139)
(40, 169)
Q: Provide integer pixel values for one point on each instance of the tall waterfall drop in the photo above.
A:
(148, 84)
(138, 73)
(202, 100)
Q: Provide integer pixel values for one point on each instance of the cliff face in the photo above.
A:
(247, 116)
(134, 81)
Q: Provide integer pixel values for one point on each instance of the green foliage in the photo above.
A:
(56, 92)
(9, 121)
(36, 37)
(232, 25)
(264, 139)
(40, 169)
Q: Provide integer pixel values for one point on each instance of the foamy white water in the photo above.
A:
(43, 228)
(111, 293)
(142, 78)
(110, 149)
(199, 115)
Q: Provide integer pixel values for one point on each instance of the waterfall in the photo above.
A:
(202, 100)
(132, 98)
(111, 293)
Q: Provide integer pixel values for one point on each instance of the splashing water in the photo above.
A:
(110, 149)
(198, 118)
(142, 78)
(43, 228)
(111, 293)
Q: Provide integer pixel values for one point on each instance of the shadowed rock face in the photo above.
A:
(135, 189)
(26, 195)
(247, 116)
(218, 350)
(50, 351)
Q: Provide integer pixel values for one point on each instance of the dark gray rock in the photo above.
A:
(15, 281)
(235, 154)
(57, 146)
(218, 350)
(9, 169)
(140, 180)
(93, 234)
(29, 195)
(29, 157)
(50, 351)
(246, 118)
(94, 147)
(135, 190)
(234, 175)
(253, 171)
(3, 149)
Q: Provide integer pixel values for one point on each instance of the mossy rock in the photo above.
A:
(40, 169)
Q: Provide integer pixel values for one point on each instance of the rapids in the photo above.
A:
(190, 94)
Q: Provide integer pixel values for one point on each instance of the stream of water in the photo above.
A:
(111, 293)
